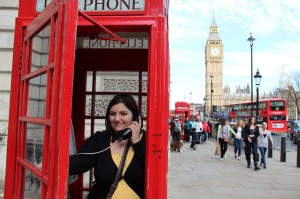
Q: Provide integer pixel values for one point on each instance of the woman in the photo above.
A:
(263, 142)
(122, 112)
(223, 134)
(250, 139)
(238, 140)
(187, 129)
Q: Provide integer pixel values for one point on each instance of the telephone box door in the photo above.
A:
(44, 95)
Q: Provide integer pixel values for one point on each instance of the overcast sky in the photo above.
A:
(275, 24)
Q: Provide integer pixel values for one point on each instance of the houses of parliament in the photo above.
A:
(215, 92)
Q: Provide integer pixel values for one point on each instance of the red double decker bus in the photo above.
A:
(272, 111)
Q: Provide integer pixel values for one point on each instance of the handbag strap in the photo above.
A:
(120, 170)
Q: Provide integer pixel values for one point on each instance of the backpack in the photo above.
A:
(177, 126)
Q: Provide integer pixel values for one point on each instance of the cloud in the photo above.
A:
(274, 24)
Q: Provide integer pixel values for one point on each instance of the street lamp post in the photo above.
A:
(251, 39)
(257, 78)
(204, 99)
(211, 92)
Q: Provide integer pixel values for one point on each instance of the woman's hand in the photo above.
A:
(136, 130)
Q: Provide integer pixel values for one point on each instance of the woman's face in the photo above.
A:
(252, 120)
(264, 126)
(120, 117)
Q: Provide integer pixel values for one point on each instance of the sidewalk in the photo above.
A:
(201, 175)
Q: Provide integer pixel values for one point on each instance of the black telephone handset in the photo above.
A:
(126, 133)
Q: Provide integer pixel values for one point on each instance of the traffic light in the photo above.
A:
(215, 108)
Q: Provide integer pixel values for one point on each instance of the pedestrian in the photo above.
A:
(238, 140)
(187, 129)
(263, 142)
(223, 133)
(194, 134)
(176, 129)
(103, 152)
(199, 129)
(206, 131)
(250, 139)
(210, 128)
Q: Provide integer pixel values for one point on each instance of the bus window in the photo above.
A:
(277, 105)
(277, 117)
(262, 105)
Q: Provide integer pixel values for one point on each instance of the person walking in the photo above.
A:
(176, 129)
(250, 138)
(238, 139)
(194, 134)
(206, 131)
(199, 129)
(263, 142)
(187, 129)
(223, 133)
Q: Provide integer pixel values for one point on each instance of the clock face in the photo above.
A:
(215, 51)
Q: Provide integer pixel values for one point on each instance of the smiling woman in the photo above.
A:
(122, 113)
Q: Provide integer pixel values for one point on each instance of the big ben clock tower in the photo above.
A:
(213, 69)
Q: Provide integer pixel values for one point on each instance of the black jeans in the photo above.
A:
(194, 139)
(251, 147)
(187, 135)
(223, 146)
(176, 136)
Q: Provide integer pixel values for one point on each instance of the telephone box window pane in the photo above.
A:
(119, 81)
(101, 104)
(89, 81)
(32, 185)
(144, 81)
(99, 125)
(144, 106)
(41, 4)
(40, 48)
(37, 96)
(34, 144)
(87, 129)
(88, 105)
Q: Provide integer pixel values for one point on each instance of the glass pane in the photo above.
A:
(99, 125)
(101, 104)
(41, 4)
(119, 81)
(144, 106)
(40, 48)
(34, 144)
(88, 105)
(89, 81)
(144, 81)
(87, 128)
(32, 186)
(37, 96)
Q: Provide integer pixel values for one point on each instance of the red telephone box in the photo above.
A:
(182, 109)
(70, 58)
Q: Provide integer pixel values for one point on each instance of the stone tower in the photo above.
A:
(213, 69)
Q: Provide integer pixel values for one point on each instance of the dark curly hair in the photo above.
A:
(130, 103)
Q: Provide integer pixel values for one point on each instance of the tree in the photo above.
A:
(289, 89)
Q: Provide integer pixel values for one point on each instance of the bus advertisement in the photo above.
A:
(272, 111)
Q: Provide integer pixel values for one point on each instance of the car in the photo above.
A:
(294, 130)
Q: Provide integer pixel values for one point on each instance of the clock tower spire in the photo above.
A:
(213, 68)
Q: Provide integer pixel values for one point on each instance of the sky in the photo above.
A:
(275, 24)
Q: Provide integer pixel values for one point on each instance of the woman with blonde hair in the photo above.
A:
(238, 140)
(263, 142)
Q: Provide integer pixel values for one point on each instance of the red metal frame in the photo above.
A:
(57, 121)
